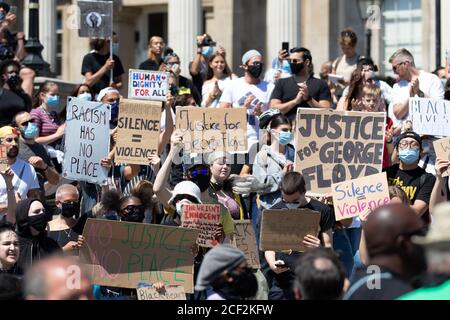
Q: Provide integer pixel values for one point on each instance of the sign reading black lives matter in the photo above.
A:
(334, 146)
(138, 131)
(209, 130)
(96, 19)
(87, 141)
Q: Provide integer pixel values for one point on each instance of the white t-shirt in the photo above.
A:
(208, 88)
(237, 91)
(27, 182)
(429, 84)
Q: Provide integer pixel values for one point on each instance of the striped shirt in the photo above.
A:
(47, 123)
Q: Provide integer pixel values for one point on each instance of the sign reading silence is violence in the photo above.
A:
(138, 131)
(86, 141)
(209, 130)
(354, 197)
(334, 146)
(130, 255)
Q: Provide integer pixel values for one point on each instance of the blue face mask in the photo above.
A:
(53, 101)
(207, 51)
(409, 156)
(30, 132)
(286, 67)
(114, 110)
(85, 96)
(285, 137)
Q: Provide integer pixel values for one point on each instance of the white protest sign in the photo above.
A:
(429, 116)
(147, 85)
(86, 141)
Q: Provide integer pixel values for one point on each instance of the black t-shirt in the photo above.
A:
(287, 89)
(150, 65)
(92, 62)
(10, 105)
(364, 286)
(417, 183)
(201, 76)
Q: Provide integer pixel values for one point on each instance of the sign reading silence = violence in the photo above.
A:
(334, 146)
(130, 255)
(354, 197)
(138, 131)
(209, 130)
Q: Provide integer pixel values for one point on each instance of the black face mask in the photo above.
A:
(38, 222)
(296, 68)
(68, 210)
(255, 70)
(134, 214)
(244, 285)
(202, 182)
(14, 82)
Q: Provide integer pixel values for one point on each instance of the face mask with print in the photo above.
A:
(53, 101)
(30, 132)
(85, 96)
(207, 51)
(409, 156)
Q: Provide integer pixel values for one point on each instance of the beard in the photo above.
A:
(13, 152)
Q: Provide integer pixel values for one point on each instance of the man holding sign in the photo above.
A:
(282, 265)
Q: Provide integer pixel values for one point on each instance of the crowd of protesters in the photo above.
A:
(42, 214)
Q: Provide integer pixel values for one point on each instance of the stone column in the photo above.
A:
(184, 27)
(283, 25)
(47, 30)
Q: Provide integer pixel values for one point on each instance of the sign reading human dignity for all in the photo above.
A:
(353, 197)
(285, 229)
(138, 131)
(442, 149)
(204, 217)
(129, 255)
(209, 130)
(3, 158)
(86, 141)
(333, 146)
(429, 116)
(147, 85)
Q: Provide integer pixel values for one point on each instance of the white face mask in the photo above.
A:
(292, 205)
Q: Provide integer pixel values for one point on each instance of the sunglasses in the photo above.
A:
(394, 68)
(26, 123)
(199, 172)
(132, 208)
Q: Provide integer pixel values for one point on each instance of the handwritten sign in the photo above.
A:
(209, 130)
(245, 240)
(147, 85)
(167, 293)
(206, 218)
(351, 198)
(86, 141)
(3, 158)
(126, 255)
(138, 131)
(442, 149)
(333, 146)
(429, 116)
(285, 229)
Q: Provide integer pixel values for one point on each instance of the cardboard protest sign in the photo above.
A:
(429, 116)
(147, 85)
(353, 197)
(285, 229)
(245, 240)
(442, 149)
(3, 158)
(130, 255)
(206, 218)
(138, 131)
(167, 293)
(209, 130)
(86, 141)
(96, 19)
(333, 146)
